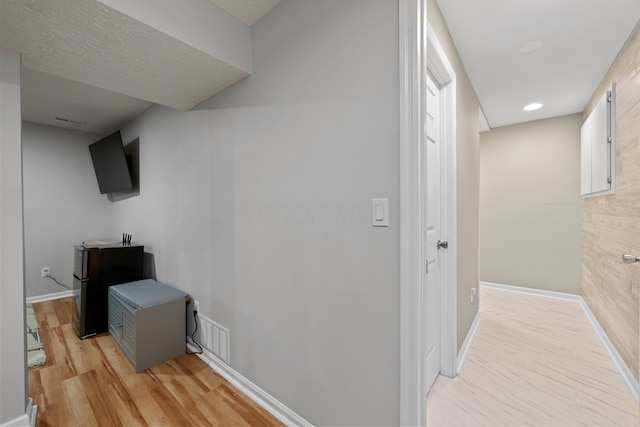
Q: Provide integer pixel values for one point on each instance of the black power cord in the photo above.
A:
(193, 334)
(59, 283)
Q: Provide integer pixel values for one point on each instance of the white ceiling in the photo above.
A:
(580, 39)
(90, 67)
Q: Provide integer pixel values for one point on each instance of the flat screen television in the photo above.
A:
(110, 164)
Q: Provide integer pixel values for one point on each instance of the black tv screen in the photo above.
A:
(110, 164)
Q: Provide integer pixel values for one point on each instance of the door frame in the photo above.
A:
(420, 52)
(440, 68)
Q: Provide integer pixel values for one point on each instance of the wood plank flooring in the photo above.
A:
(90, 383)
(534, 361)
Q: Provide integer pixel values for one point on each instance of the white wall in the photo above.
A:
(62, 203)
(530, 204)
(257, 203)
(13, 368)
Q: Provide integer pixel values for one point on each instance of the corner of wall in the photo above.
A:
(13, 369)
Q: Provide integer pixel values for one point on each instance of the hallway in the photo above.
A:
(534, 361)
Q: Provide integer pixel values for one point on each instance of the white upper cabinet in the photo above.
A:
(598, 149)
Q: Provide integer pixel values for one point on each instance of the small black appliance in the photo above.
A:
(96, 267)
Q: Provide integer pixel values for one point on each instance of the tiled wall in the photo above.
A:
(611, 224)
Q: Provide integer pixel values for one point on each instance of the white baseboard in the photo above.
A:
(49, 297)
(629, 379)
(462, 355)
(627, 376)
(532, 291)
(255, 393)
(21, 421)
(26, 420)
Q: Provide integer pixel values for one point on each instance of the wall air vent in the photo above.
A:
(214, 338)
(73, 122)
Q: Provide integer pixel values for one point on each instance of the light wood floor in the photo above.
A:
(90, 383)
(534, 361)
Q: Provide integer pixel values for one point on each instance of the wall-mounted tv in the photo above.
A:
(110, 164)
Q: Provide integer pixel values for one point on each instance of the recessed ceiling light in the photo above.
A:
(533, 106)
(531, 46)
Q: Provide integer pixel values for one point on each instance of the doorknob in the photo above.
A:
(443, 245)
(630, 259)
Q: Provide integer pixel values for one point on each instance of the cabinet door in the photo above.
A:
(585, 158)
(597, 148)
(600, 148)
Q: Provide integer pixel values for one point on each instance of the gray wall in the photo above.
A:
(13, 369)
(530, 204)
(258, 205)
(62, 203)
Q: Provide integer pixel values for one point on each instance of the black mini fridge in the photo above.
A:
(95, 268)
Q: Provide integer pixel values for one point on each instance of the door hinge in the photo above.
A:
(609, 140)
(426, 261)
(609, 180)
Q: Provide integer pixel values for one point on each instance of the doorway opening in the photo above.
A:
(422, 54)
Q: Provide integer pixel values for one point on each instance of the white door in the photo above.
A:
(432, 208)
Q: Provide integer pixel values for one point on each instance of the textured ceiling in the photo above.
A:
(53, 99)
(99, 68)
(580, 39)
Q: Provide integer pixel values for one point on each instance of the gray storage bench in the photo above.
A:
(147, 319)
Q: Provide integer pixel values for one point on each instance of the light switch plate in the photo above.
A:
(380, 212)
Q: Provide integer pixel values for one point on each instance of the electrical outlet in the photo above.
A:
(45, 272)
(196, 306)
(473, 294)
